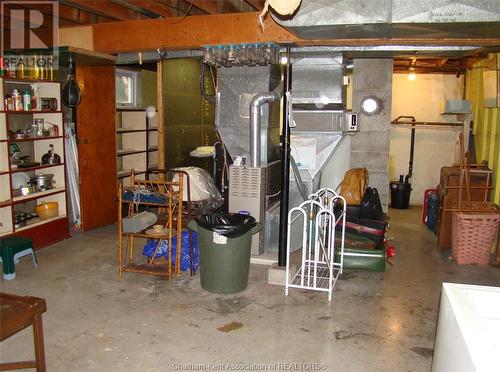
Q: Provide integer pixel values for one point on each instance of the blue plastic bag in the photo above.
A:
(151, 244)
(144, 196)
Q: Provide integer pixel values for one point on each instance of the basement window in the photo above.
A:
(127, 86)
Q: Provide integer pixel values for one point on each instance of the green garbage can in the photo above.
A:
(224, 243)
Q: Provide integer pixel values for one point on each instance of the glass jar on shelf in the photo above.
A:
(269, 54)
(218, 55)
(243, 55)
(260, 55)
(207, 55)
(230, 54)
(251, 55)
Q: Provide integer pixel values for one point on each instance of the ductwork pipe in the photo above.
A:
(255, 129)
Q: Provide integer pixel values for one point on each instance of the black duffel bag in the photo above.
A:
(370, 206)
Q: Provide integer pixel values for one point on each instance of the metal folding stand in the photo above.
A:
(322, 256)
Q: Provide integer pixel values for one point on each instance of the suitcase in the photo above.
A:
(430, 209)
(364, 243)
(355, 241)
(362, 259)
(373, 230)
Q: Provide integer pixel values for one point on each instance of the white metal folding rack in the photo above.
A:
(319, 269)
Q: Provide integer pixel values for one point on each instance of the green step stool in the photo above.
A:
(12, 249)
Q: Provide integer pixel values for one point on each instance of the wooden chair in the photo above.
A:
(169, 213)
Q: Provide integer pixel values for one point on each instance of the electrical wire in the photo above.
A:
(208, 98)
(273, 195)
(225, 168)
(185, 14)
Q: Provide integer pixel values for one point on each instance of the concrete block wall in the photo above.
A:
(370, 146)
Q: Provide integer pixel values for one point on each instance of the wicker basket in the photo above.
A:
(473, 236)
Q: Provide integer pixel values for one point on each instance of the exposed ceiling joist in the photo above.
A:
(136, 9)
(229, 6)
(153, 6)
(105, 8)
(208, 6)
(441, 62)
(430, 65)
(22, 16)
(68, 16)
(256, 4)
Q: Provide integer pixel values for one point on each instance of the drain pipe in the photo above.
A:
(255, 106)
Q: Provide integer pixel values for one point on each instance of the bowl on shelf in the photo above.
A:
(22, 191)
(47, 210)
(20, 179)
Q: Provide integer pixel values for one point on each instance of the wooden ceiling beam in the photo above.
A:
(105, 8)
(180, 7)
(441, 61)
(128, 4)
(231, 7)
(11, 16)
(154, 6)
(472, 60)
(208, 6)
(74, 15)
(194, 32)
(188, 32)
(256, 4)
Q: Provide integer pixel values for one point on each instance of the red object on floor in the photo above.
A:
(391, 251)
(424, 209)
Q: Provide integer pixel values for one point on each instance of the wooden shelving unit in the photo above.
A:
(43, 232)
(137, 144)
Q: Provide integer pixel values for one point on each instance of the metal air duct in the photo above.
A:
(255, 130)
(358, 19)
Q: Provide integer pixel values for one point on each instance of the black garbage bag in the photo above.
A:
(230, 225)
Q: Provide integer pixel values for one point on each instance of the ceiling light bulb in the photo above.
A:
(284, 60)
(412, 76)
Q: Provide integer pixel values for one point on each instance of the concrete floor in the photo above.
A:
(97, 322)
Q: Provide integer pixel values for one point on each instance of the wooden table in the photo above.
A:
(17, 313)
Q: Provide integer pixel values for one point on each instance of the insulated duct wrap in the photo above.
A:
(355, 19)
